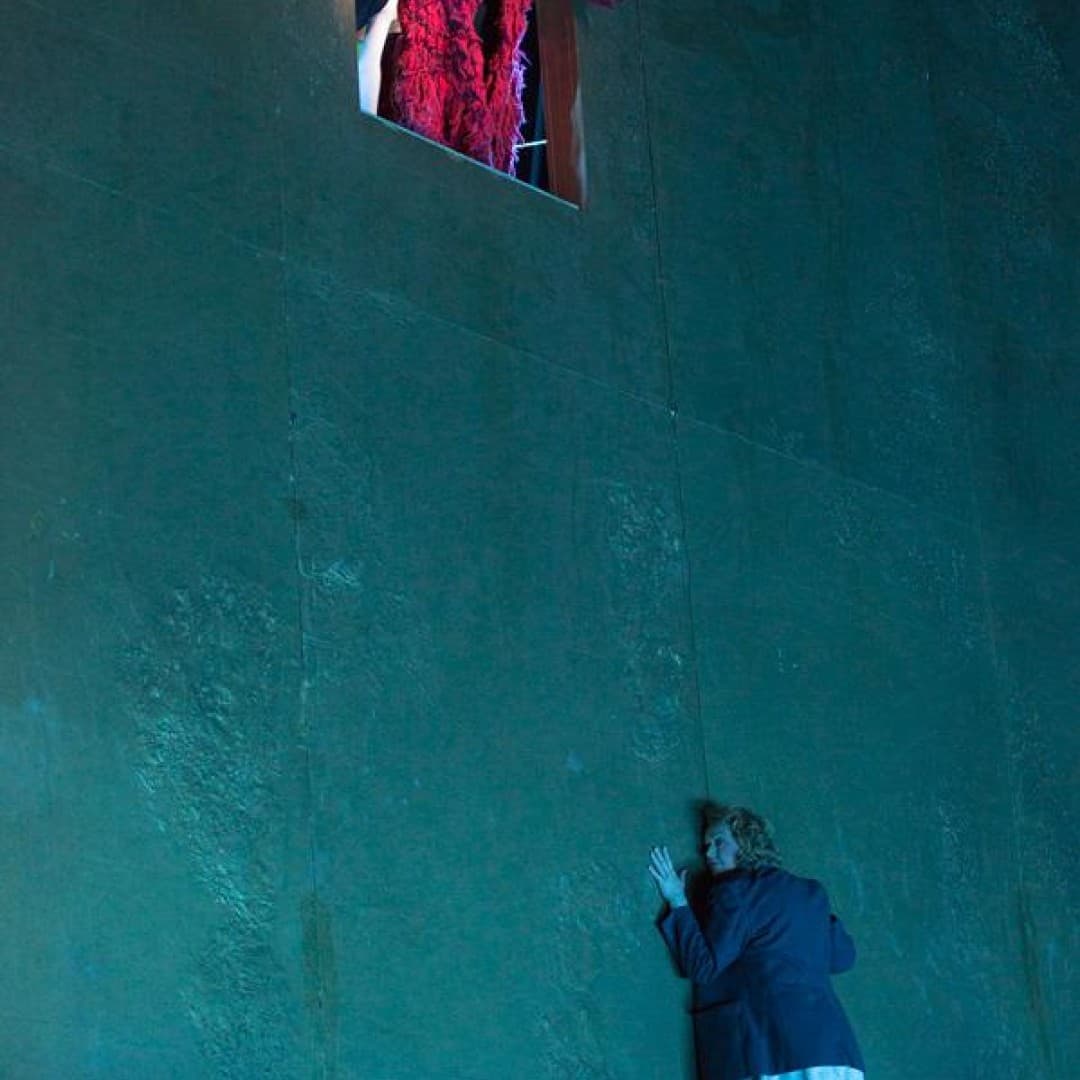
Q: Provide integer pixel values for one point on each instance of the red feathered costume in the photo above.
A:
(453, 84)
(459, 88)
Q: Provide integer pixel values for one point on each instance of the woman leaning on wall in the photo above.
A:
(761, 959)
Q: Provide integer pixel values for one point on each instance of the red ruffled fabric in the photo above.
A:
(451, 86)
(506, 81)
(420, 86)
(457, 88)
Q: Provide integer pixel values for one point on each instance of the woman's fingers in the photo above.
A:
(670, 882)
(661, 862)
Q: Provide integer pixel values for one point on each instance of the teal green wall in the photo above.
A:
(390, 554)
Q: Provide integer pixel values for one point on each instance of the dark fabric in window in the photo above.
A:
(366, 10)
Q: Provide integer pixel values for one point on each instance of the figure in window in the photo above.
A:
(450, 70)
(376, 20)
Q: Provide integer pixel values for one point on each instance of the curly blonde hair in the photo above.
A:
(751, 832)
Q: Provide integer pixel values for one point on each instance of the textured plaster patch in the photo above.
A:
(649, 573)
(202, 685)
(597, 919)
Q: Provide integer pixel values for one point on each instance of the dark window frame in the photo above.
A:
(561, 86)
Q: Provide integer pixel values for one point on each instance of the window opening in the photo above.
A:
(496, 80)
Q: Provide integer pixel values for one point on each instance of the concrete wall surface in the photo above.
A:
(390, 553)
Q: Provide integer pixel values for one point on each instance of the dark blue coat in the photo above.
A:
(761, 961)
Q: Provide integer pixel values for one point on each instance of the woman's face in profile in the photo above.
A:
(720, 849)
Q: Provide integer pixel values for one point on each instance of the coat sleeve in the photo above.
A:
(841, 947)
(700, 956)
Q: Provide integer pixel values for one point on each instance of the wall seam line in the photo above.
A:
(672, 403)
(317, 1048)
